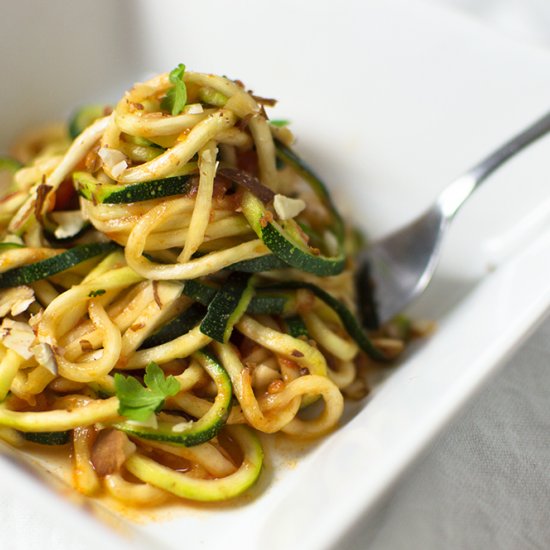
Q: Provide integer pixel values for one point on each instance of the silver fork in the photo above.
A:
(397, 269)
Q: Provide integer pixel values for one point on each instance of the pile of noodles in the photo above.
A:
(65, 335)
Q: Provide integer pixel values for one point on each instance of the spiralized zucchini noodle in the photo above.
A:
(174, 281)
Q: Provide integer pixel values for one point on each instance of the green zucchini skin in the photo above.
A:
(212, 97)
(271, 300)
(260, 304)
(227, 306)
(46, 268)
(268, 304)
(257, 265)
(348, 319)
(205, 490)
(276, 240)
(288, 156)
(83, 117)
(279, 239)
(275, 303)
(296, 327)
(89, 188)
(48, 438)
(9, 246)
(181, 324)
(141, 141)
(198, 431)
(200, 291)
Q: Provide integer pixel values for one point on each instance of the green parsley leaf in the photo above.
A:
(176, 97)
(138, 402)
(279, 123)
(95, 293)
(156, 381)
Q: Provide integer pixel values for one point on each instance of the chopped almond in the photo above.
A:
(287, 207)
(17, 336)
(15, 300)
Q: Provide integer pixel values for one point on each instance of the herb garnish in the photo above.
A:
(279, 123)
(138, 402)
(176, 97)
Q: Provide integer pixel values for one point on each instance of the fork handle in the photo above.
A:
(454, 195)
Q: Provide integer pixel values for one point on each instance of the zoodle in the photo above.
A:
(174, 280)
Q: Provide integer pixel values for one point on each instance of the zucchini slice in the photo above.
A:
(212, 97)
(228, 306)
(273, 300)
(257, 265)
(262, 303)
(349, 321)
(181, 324)
(296, 326)
(271, 303)
(99, 410)
(200, 291)
(56, 264)
(288, 156)
(47, 438)
(206, 490)
(83, 117)
(192, 433)
(283, 239)
(88, 187)
(6, 245)
(275, 303)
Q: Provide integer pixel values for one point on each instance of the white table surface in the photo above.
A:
(484, 483)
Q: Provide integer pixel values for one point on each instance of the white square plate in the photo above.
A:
(390, 99)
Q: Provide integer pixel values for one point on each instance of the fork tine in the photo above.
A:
(395, 270)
